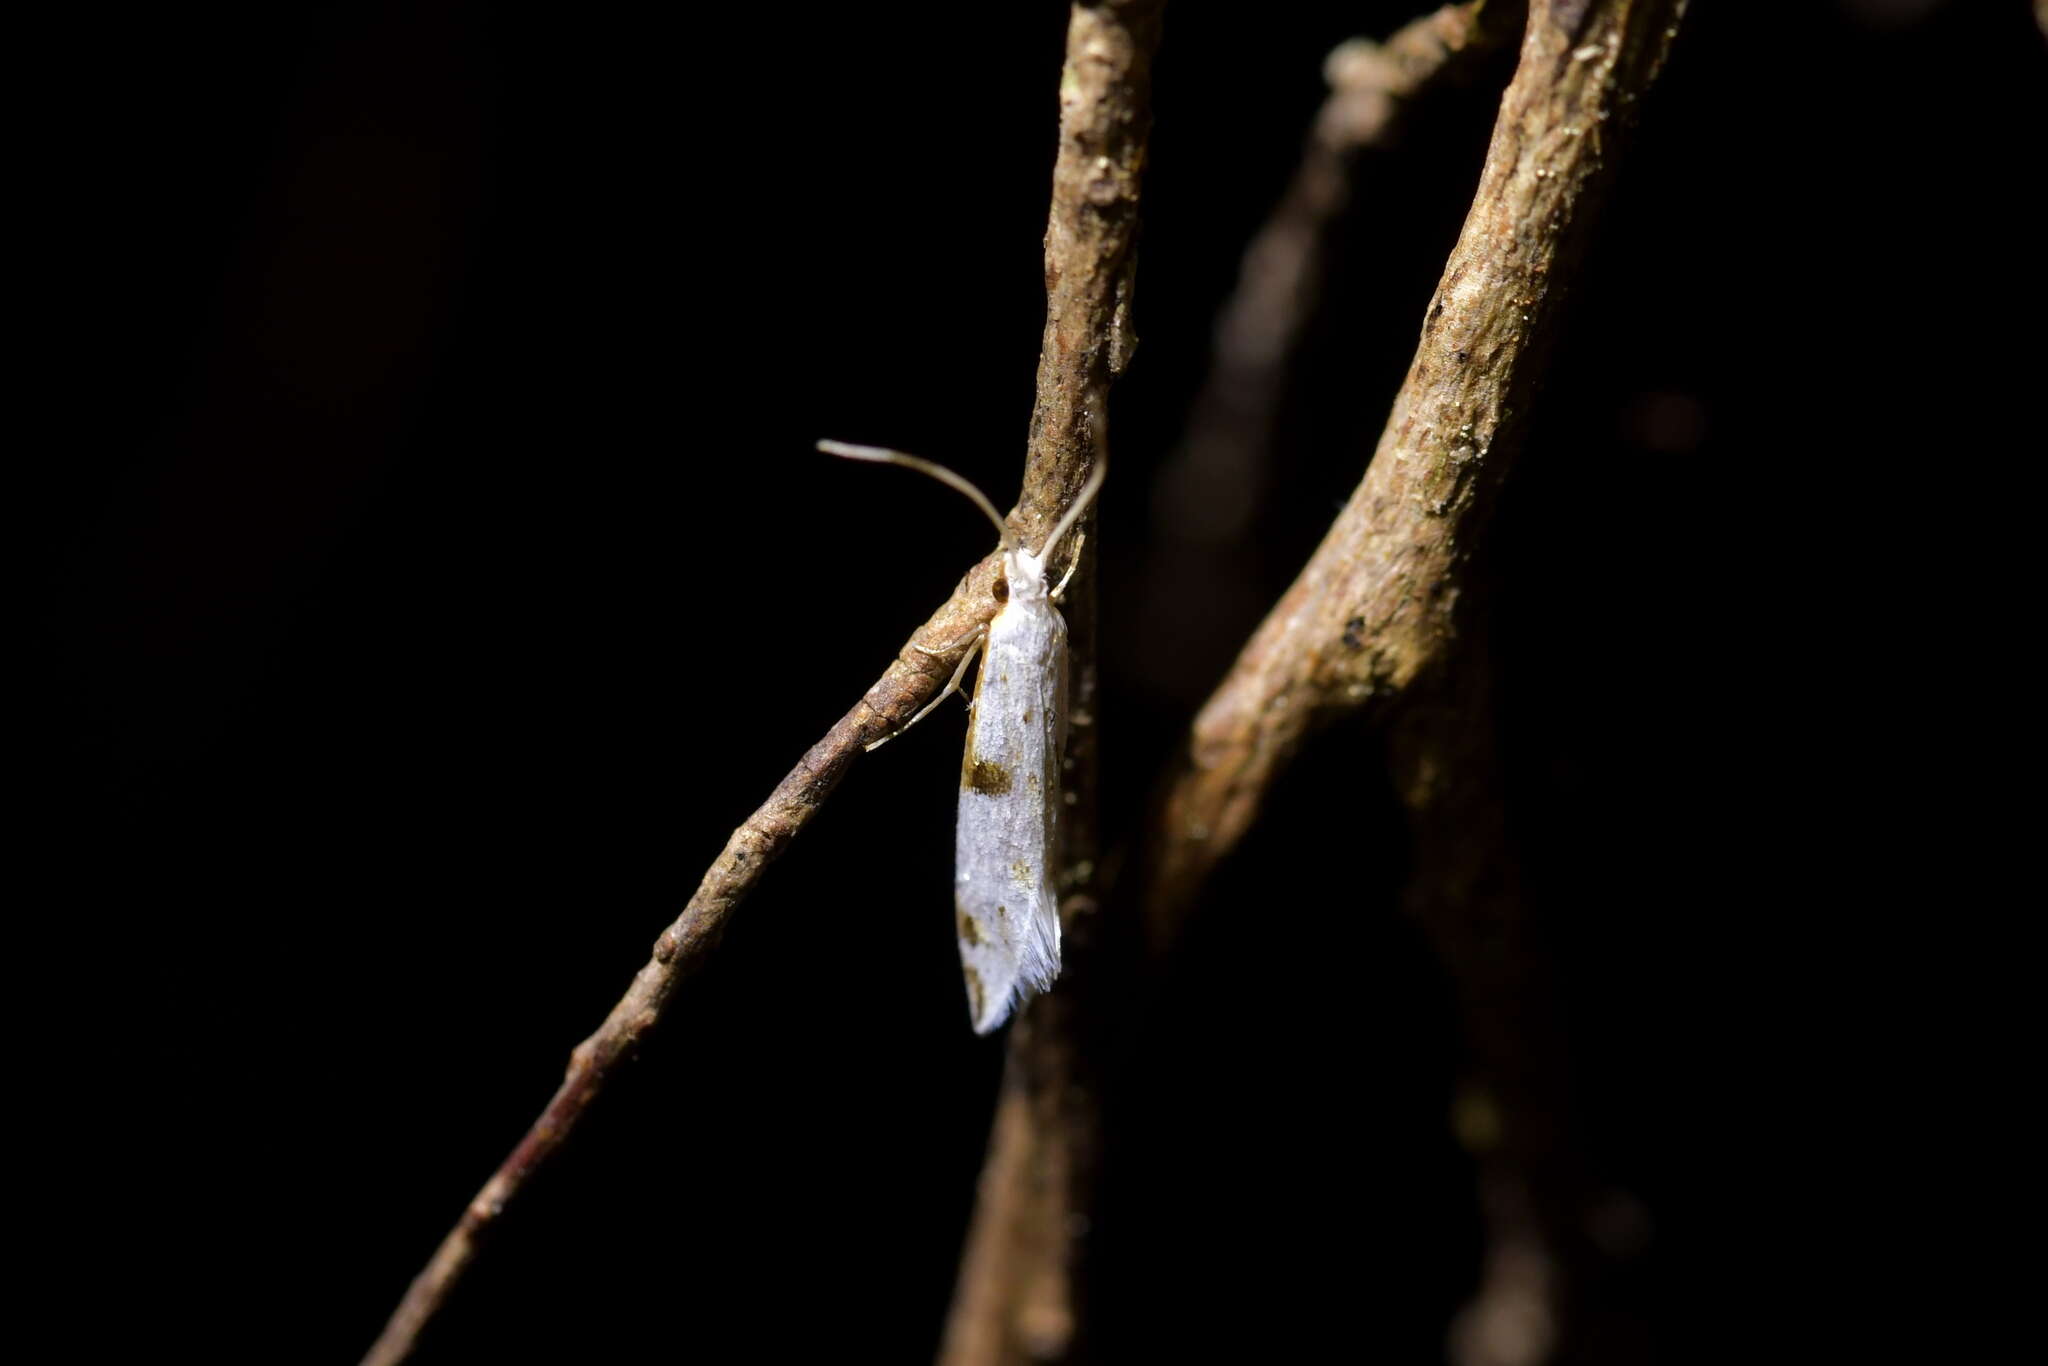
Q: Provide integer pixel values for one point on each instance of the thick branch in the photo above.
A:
(1019, 1295)
(1091, 233)
(1374, 608)
(1087, 340)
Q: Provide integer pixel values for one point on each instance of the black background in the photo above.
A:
(441, 569)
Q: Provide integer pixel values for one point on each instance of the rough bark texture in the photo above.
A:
(1212, 489)
(1089, 261)
(1022, 1275)
(1375, 608)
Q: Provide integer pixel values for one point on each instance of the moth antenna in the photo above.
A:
(945, 476)
(1087, 494)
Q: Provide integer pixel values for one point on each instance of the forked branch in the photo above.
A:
(1375, 608)
(1087, 339)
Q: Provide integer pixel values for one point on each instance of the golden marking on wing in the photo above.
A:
(970, 933)
(986, 777)
(974, 991)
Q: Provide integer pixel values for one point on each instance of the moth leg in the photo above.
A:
(1080, 540)
(952, 686)
(948, 649)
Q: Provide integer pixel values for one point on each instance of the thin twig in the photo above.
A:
(911, 680)
(1375, 607)
(1087, 340)
(1019, 1294)
(1211, 488)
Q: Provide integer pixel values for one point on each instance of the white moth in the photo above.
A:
(1007, 842)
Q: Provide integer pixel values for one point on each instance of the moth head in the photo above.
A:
(1024, 573)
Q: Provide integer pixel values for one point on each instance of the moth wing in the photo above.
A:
(1006, 842)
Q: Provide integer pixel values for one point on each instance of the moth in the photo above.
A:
(1007, 840)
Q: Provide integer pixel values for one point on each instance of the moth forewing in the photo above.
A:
(1007, 838)
(1007, 841)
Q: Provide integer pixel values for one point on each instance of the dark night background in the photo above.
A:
(441, 570)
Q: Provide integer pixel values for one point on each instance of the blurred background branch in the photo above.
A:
(1215, 481)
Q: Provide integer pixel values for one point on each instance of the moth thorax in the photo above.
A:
(1025, 574)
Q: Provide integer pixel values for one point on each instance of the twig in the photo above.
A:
(1375, 607)
(1019, 1295)
(911, 680)
(1212, 487)
(1087, 340)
